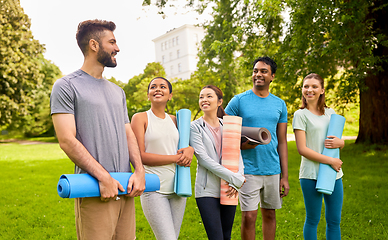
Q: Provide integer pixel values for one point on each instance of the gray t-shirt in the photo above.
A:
(100, 112)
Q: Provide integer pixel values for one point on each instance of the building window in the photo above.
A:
(173, 42)
(179, 67)
(172, 70)
(163, 59)
(170, 56)
(177, 53)
(166, 45)
(177, 40)
(195, 37)
(162, 46)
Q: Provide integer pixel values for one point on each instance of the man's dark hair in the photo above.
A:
(92, 29)
(268, 61)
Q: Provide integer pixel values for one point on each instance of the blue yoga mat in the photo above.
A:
(326, 174)
(84, 185)
(182, 184)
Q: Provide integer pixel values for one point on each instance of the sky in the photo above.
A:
(54, 24)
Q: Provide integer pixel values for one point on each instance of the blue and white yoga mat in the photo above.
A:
(84, 185)
(326, 174)
(182, 184)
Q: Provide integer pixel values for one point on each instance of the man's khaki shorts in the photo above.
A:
(114, 219)
(260, 189)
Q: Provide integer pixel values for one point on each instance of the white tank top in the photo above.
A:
(161, 137)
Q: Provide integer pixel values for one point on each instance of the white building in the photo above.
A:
(177, 50)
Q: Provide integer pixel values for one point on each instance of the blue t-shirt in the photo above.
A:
(265, 112)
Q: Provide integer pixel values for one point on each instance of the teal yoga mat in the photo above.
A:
(84, 185)
(326, 174)
(182, 184)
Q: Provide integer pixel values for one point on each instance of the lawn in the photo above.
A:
(30, 207)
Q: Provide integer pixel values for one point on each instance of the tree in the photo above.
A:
(26, 77)
(117, 82)
(345, 41)
(38, 120)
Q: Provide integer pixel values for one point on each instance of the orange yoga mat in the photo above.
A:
(231, 139)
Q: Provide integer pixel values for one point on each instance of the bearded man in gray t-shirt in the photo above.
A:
(92, 125)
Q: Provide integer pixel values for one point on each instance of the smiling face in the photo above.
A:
(159, 91)
(108, 49)
(208, 100)
(262, 76)
(312, 89)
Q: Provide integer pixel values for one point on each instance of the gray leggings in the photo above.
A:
(164, 213)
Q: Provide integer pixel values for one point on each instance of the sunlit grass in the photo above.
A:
(31, 208)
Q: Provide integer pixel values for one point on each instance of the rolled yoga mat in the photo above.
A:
(84, 185)
(231, 140)
(255, 135)
(326, 174)
(182, 184)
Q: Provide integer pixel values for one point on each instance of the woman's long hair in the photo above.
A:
(321, 101)
(220, 111)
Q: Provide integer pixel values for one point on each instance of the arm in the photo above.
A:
(247, 145)
(186, 156)
(334, 142)
(65, 129)
(300, 138)
(139, 126)
(136, 183)
(232, 191)
(281, 132)
(233, 109)
(207, 162)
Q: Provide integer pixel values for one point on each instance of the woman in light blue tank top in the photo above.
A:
(157, 136)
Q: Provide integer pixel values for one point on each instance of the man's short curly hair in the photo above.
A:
(92, 29)
(268, 61)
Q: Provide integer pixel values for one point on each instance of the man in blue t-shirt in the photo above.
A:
(266, 166)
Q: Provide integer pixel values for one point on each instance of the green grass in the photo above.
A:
(30, 207)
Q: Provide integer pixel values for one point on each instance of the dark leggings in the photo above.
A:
(217, 219)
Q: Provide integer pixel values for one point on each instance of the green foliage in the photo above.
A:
(346, 42)
(217, 64)
(185, 95)
(117, 82)
(26, 77)
(19, 70)
(38, 120)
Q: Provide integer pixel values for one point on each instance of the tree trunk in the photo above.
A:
(373, 110)
(374, 99)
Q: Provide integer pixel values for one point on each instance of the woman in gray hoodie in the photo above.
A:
(206, 139)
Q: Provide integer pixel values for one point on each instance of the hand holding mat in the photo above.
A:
(255, 135)
(84, 185)
(182, 184)
(326, 174)
(231, 139)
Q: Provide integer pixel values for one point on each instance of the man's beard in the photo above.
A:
(105, 58)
